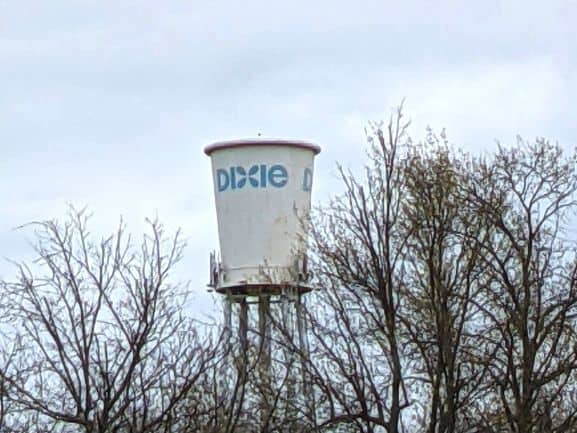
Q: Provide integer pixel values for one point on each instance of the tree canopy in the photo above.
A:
(445, 301)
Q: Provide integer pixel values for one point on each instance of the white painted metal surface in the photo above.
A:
(262, 190)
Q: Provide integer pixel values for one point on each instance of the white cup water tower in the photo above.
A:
(262, 190)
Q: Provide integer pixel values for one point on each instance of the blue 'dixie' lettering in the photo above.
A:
(222, 179)
(308, 180)
(278, 176)
(257, 176)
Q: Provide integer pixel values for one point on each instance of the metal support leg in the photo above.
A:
(265, 357)
(287, 299)
(243, 325)
(228, 320)
(229, 359)
(306, 388)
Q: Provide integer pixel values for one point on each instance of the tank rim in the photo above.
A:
(247, 142)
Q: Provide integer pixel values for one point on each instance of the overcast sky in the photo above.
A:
(110, 103)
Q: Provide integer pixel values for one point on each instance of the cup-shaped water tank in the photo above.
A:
(262, 193)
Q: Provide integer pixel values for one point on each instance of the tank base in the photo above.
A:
(262, 289)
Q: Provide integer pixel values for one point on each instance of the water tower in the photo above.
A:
(262, 191)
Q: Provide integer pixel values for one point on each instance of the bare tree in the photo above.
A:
(447, 303)
(356, 349)
(11, 418)
(444, 274)
(452, 273)
(102, 343)
(530, 301)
